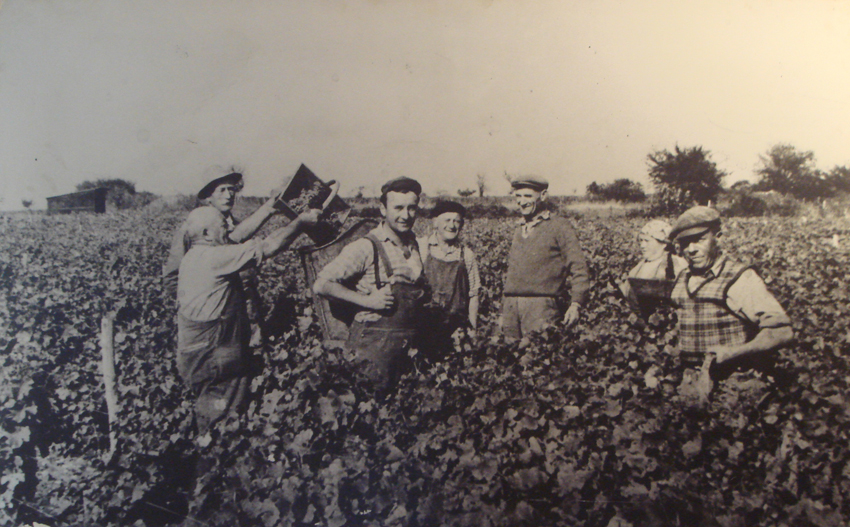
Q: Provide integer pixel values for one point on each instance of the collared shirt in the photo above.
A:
(452, 253)
(204, 283)
(180, 245)
(526, 226)
(356, 261)
(747, 297)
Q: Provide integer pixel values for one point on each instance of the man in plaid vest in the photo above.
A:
(728, 321)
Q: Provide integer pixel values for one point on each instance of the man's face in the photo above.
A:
(223, 197)
(700, 250)
(529, 201)
(400, 211)
(448, 226)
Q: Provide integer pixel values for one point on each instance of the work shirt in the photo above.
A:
(747, 297)
(452, 253)
(180, 245)
(356, 262)
(208, 274)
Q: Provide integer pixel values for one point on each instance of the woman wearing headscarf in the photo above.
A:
(657, 263)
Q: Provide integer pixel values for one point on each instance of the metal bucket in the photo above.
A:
(305, 190)
(334, 317)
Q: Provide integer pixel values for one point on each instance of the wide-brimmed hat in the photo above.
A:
(694, 221)
(214, 178)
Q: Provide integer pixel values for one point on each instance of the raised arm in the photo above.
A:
(283, 237)
(248, 227)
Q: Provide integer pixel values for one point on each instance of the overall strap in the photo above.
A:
(378, 249)
(670, 272)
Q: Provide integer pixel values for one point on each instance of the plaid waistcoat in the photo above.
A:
(705, 321)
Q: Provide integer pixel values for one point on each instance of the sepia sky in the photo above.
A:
(157, 92)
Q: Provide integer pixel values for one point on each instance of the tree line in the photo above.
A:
(687, 176)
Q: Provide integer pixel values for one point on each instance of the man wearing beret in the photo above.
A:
(219, 192)
(451, 269)
(727, 317)
(544, 254)
(381, 276)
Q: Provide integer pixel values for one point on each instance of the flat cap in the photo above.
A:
(444, 206)
(401, 184)
(213, 179)
(695, 220)
(533, 182)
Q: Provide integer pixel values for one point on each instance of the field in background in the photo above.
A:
(569, 427)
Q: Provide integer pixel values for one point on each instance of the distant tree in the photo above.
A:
(466, 192)
(741, 186)
(839, 179)
(122, 193)
(788, 171)
(622, 190)
(27, 203)
(683, 178)
(481, 181)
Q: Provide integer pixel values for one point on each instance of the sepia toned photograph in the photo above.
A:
(373, 263)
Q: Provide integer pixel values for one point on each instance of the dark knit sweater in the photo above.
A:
(540, 264)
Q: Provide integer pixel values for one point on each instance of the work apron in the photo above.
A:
(449, 284)
(383, 344)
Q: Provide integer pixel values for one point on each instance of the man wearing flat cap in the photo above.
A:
(728, 320)
(381, 276)
(451, 269)
(219, 192)
(544, 256)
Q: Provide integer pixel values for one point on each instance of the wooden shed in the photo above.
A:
(93, 200)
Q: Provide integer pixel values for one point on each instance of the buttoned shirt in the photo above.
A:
(526, 225)
(180, 245)
(356, 262)
(205, 280)
(452, 253)
(747, 297)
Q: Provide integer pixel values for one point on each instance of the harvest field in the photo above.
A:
(570, 427)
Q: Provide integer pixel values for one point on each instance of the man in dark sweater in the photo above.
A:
(545, 253)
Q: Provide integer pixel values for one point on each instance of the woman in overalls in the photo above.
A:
(658, 262)
(452, 273)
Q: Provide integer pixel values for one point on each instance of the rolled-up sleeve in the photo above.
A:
(749, 298)
(352, 261)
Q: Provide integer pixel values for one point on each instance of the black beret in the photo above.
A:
(443, 206)
(401, 184)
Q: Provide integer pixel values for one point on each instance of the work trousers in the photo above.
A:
(522, 314)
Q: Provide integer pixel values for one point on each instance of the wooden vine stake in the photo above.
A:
(107, 365)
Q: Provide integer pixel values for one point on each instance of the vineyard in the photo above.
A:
(580, 426)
